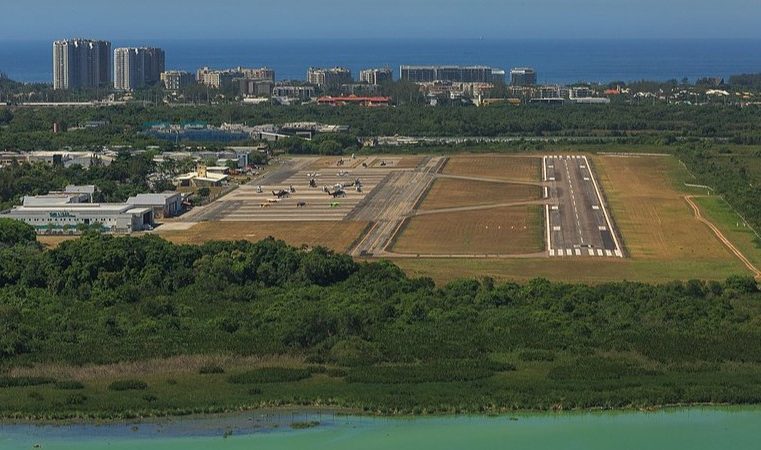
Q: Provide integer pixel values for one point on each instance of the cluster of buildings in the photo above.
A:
(71, 210)
(87, 64)
(81, 63)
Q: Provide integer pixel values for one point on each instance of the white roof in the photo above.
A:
(152, 199)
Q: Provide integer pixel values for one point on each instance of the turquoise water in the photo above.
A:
(693, 429)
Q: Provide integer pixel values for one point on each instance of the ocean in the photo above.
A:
(556, 61)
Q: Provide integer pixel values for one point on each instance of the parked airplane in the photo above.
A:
(281, 193)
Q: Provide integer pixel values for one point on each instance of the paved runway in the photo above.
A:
(577, 221)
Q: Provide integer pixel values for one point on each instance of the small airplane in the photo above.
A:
(343, 173)
(292, 189)
(281, 193)
(259, 190)
(334, 204)
(337, 193)
(312, 183)
(301, 204)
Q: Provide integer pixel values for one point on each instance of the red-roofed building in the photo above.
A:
(354, 100)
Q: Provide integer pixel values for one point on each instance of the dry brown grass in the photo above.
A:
(520, 168)
(450, 192)
(503, 230)
(337, 236)
(651, 214)
(54, 241)
(185, 364)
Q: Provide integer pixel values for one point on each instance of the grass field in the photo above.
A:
(450, 193)
(520, 168)
(732, 226)
(337, 236)
(651, 214)
(503, 230)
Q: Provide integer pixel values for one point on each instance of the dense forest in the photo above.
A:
(104, 299)
(31, 129)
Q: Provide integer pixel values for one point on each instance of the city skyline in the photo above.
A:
(491, 19)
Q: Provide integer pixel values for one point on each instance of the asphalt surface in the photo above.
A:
(577, 220)
(392, 203)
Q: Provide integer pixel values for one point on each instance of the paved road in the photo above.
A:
(577, 220)
(393, 201)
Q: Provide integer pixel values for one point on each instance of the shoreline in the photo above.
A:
(167, 417)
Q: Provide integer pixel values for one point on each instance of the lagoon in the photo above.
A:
(691, 428)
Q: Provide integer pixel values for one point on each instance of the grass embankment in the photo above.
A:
(525, 380)
(337, 236)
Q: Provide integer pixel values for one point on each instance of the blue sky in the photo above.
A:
(492, 19)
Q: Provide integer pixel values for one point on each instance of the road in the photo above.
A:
(577, 220)
(393, 200)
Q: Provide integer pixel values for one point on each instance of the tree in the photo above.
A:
(13, 232)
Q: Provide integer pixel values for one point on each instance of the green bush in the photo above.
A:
(75, 399)
(537, 356)
(70, 385)
(24, 381)
(208, 370)
(270, 375)
(128, 385)
(593, 368)
(255, 391)
(440, 371)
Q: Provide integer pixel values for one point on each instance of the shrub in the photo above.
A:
(34, 395)
(270, 375)
(440, 371)
(598, 368)
(75, 399)
(69, 385)
(150, 398)
(255, 391)
(171, 381)
(127, 385)
(24, 381)
(537, 356)
(211, 369)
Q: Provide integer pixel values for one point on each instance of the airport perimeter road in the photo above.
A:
(576, 219)
(390, 204)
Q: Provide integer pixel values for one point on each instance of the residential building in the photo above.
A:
(136, 68)
(262, 73)
(297, 92)
(255, 87)
(376, 77)
(225, 78)
(354, 100)
(462, 74)
(523, 76)
(175, 80)
(81, 64)
(329, 78)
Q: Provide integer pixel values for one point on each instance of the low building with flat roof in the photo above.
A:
(165, 204)
(71, 218)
